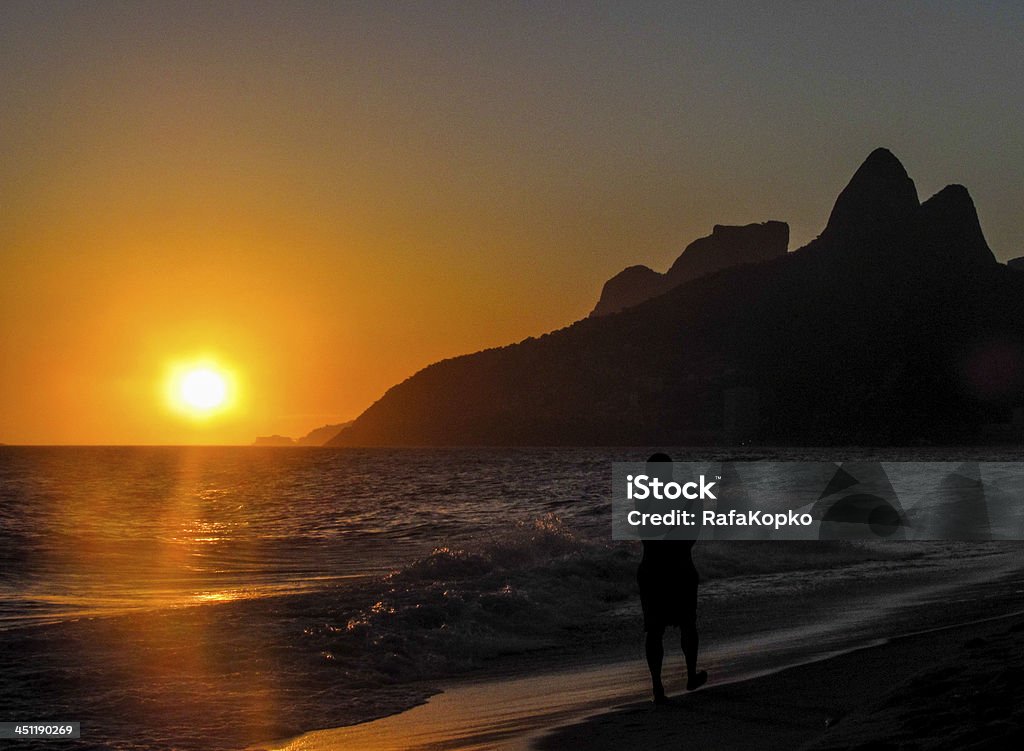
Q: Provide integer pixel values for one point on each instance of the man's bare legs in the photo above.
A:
(655, 653)
(655, 650)
(689, 640)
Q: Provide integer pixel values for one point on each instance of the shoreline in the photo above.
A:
(508, 712)
(926, 688)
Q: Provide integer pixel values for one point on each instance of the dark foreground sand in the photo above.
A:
(954, 688)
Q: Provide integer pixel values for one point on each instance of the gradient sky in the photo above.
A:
(328, 196)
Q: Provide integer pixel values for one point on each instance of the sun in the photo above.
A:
(200, 389)
(203, 389)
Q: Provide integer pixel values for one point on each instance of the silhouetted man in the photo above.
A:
(668, 594)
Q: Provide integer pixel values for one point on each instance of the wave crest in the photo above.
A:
(533, 587)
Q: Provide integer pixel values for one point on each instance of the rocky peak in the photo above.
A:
(946, 232)
(725, 247)
(729, 246)
(878, 198)
(629, 287)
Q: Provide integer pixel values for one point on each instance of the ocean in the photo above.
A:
(213, 597)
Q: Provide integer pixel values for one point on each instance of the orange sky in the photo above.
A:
(328, 199)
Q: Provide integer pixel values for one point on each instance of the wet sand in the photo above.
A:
(844, 671)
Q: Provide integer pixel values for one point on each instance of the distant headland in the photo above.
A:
(317, 437)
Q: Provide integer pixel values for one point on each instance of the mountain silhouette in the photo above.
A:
(320, 436)
(726, 246)
(878, 199)
(895, 326)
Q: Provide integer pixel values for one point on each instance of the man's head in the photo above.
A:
(660, 466)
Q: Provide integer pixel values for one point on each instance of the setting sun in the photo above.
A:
(203, 389)
(200, 389)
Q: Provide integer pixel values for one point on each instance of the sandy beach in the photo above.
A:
(951, 688)
(922, 656)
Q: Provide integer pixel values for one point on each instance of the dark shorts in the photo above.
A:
(668, 598)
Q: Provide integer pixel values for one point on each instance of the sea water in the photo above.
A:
(210, 597)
